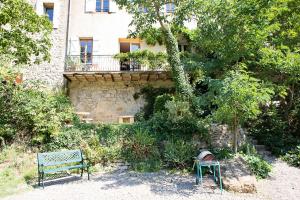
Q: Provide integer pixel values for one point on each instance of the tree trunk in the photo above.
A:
(235, 134)
(235, 139)
(182, 84)
(181, 81)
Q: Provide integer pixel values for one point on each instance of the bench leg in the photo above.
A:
(81, 172)
(43, 180)
(88, 171)
(39, 179)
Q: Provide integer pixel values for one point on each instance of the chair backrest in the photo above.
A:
(59, 158)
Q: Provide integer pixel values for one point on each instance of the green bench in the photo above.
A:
(53, 162)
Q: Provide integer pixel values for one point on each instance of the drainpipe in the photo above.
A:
(67, 44)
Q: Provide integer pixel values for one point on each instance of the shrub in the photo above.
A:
(140, 149)
(222, 153)
(293, 157)
(161, 101)
(29, 113)
(258, 166)
(271, 130)
(179, 154)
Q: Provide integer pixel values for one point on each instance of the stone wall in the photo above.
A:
(52, 73)
(222, 136)
(106, 100)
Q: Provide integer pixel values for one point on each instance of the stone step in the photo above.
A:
(254, 142)
(264, 153)
(87, 120)
(260, 147)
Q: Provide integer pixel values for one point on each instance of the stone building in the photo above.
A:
(86, 36)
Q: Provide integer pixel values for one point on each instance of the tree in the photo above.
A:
(154, 16)
(24, 36)
(264, 35)
(239, 99)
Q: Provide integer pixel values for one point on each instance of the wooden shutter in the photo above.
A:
(74, 46)
(113, 6)
(96, 46)
(39, 7)
(90, 5)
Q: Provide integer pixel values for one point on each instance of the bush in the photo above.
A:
(179, 154)
(293, 157)
(161, 101)
(258, 166)
(222, 153)
(141, 151)
(30, 113)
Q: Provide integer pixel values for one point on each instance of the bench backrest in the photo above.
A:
(59, 158)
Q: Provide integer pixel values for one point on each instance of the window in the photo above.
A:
(170, 8)
(86, 51)
(102, 5)
(143, 9)
(49, 10)
(183, 47)
(129, 45)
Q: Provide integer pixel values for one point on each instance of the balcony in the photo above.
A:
(108, 68)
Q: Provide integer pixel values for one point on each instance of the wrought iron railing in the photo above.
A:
(95, 63)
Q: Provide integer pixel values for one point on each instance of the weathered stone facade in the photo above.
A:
(107, 100)
(52, 73)
(222, 136)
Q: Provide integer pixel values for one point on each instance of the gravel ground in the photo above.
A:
(282, 184)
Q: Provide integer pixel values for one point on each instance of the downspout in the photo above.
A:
(67, 44)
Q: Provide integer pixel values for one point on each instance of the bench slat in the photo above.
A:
(48, 171)
(59, 158)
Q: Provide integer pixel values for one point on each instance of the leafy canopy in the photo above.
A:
(24, 36)
(240, 97)
(155, 16)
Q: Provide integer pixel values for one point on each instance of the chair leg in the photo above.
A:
(220, 179)
(197, 174)
(200, 175)
(214, 173)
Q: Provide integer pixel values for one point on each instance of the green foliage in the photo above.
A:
(144, 22)
(149, 94)
(29, 113)
(271, 130)
(160, 102)
(293, 157)
(17, 170)
(239, 99)
(258, 166)
(24, 36)
(179, 153)
(145, 58)
(255, 162)
(140, 149)
(222, 153)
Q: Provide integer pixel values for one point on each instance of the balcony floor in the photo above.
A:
(118, 76)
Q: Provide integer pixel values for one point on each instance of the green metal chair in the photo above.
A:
(214, 164)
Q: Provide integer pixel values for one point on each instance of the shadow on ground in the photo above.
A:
(160, 183)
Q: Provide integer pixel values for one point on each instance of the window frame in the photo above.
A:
(170, 7)
(47, 6)
(102, 4)
(85, 54)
